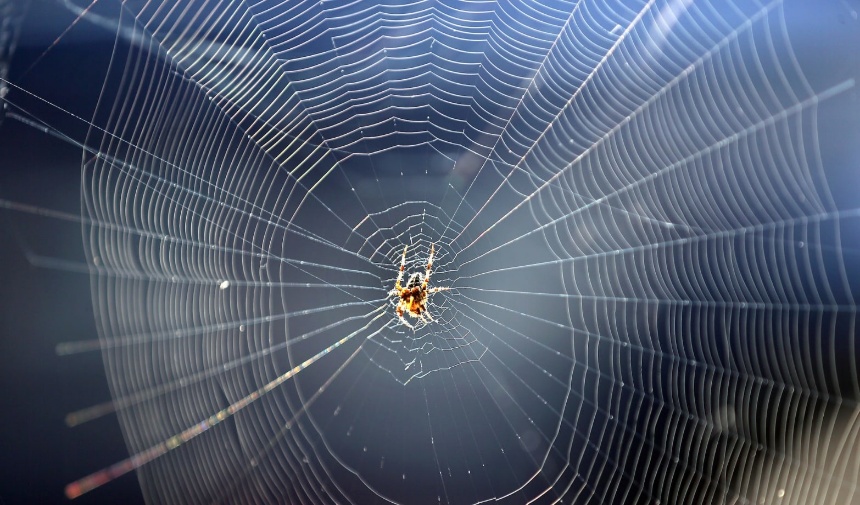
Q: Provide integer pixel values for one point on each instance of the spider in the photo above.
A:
(412, 299)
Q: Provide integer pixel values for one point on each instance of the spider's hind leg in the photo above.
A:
(407, 323)
(403, 319)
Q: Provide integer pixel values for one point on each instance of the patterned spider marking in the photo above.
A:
(412, 299)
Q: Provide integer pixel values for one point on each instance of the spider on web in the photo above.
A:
(412, 299)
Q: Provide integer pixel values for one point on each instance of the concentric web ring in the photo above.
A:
(646, 300)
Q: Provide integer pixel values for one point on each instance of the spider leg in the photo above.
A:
(403, 319)
(397, 286)
(429, 266)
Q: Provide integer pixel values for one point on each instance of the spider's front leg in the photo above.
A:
(429, 266)
(397, 286)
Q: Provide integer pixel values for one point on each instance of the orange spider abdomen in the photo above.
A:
(411, 298)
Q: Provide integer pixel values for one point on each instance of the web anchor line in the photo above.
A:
(102, 477)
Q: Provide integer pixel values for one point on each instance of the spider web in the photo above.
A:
(647, 296)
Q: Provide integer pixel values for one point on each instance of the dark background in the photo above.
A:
(44, 296)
